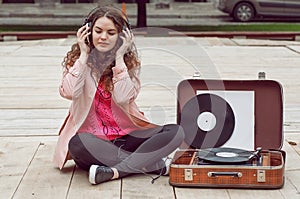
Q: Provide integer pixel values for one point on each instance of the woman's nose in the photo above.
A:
(103, 35)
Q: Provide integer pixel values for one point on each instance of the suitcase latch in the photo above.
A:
(261, 176)
(188, 174)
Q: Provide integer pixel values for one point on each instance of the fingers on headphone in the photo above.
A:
(82, 30)
(127, 32)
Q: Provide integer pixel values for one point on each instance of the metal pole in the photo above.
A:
(141, 13)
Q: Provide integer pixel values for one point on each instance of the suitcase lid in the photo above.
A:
(198, 98)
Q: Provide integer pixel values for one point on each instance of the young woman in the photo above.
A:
(104, 132)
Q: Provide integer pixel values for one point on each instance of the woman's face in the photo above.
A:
(105, 34)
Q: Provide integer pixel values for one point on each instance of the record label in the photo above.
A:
(206, 121)
(226, 154)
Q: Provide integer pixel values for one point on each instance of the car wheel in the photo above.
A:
(243, 12)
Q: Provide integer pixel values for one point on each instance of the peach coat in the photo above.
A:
(79, 86)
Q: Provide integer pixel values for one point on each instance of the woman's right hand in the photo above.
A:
(82, 35)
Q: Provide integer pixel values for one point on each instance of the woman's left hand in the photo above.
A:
(127, 39)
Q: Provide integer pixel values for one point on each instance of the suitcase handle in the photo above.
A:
(217, 174)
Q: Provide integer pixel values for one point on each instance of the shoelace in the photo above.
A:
(166, 159)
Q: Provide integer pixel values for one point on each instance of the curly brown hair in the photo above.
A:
(101, 63)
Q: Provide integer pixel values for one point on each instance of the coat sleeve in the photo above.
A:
(126, 87)
(72, 78)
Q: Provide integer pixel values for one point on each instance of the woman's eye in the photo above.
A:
(111, 33)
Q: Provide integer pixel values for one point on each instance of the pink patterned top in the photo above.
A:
(100, 120)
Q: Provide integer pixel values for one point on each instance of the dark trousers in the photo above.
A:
(138, 152)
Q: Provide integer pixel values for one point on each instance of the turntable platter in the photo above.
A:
(224, 155)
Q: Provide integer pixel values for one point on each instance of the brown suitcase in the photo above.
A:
(226, 121)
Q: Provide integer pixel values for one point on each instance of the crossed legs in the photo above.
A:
(140, 151)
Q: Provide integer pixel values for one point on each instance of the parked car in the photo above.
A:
(247, 10)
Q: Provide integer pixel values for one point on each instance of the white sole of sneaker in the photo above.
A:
(168, 162)
(92, 174)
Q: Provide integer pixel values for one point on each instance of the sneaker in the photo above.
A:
(168, 162)
(159, 166)
(98, 174)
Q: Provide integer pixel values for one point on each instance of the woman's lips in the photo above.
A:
(103, 44)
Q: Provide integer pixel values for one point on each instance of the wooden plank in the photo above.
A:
(34, 35)
(15, 158)
(291, 112)
(28, 122)
(36, 123)
(203, 193)
(257, 194)
(28, 132)
(48, 42)
(28, 61)
(139, 186)
(32, 114)
(41, 51)
(42, 180)
(81, 187)
(41, 102)
(292, 127)
(291, 119)
(291, 188)
(12, 71)
(292, 158)
(7, 49)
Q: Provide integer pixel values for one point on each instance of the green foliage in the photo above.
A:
(241, 27)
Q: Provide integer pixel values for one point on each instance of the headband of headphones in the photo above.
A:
(87, 19)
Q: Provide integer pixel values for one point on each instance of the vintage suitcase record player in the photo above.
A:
(233, 134)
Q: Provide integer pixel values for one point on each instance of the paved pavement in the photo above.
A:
(177, 14)
(68, 14)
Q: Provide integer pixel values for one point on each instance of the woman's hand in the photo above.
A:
(127, 39)
(82, 35)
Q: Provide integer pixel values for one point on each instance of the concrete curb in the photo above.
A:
(33, 35)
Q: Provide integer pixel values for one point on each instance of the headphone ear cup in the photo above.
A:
(128, 24)
(90, 38)
(85, 21)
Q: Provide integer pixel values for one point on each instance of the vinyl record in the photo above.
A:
(208, 121)
(224, 155)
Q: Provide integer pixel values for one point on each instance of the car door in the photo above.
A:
(292, 7)
(271, 7)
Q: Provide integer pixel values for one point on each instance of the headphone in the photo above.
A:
(88, 21)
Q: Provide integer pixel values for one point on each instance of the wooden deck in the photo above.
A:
(31, 112)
